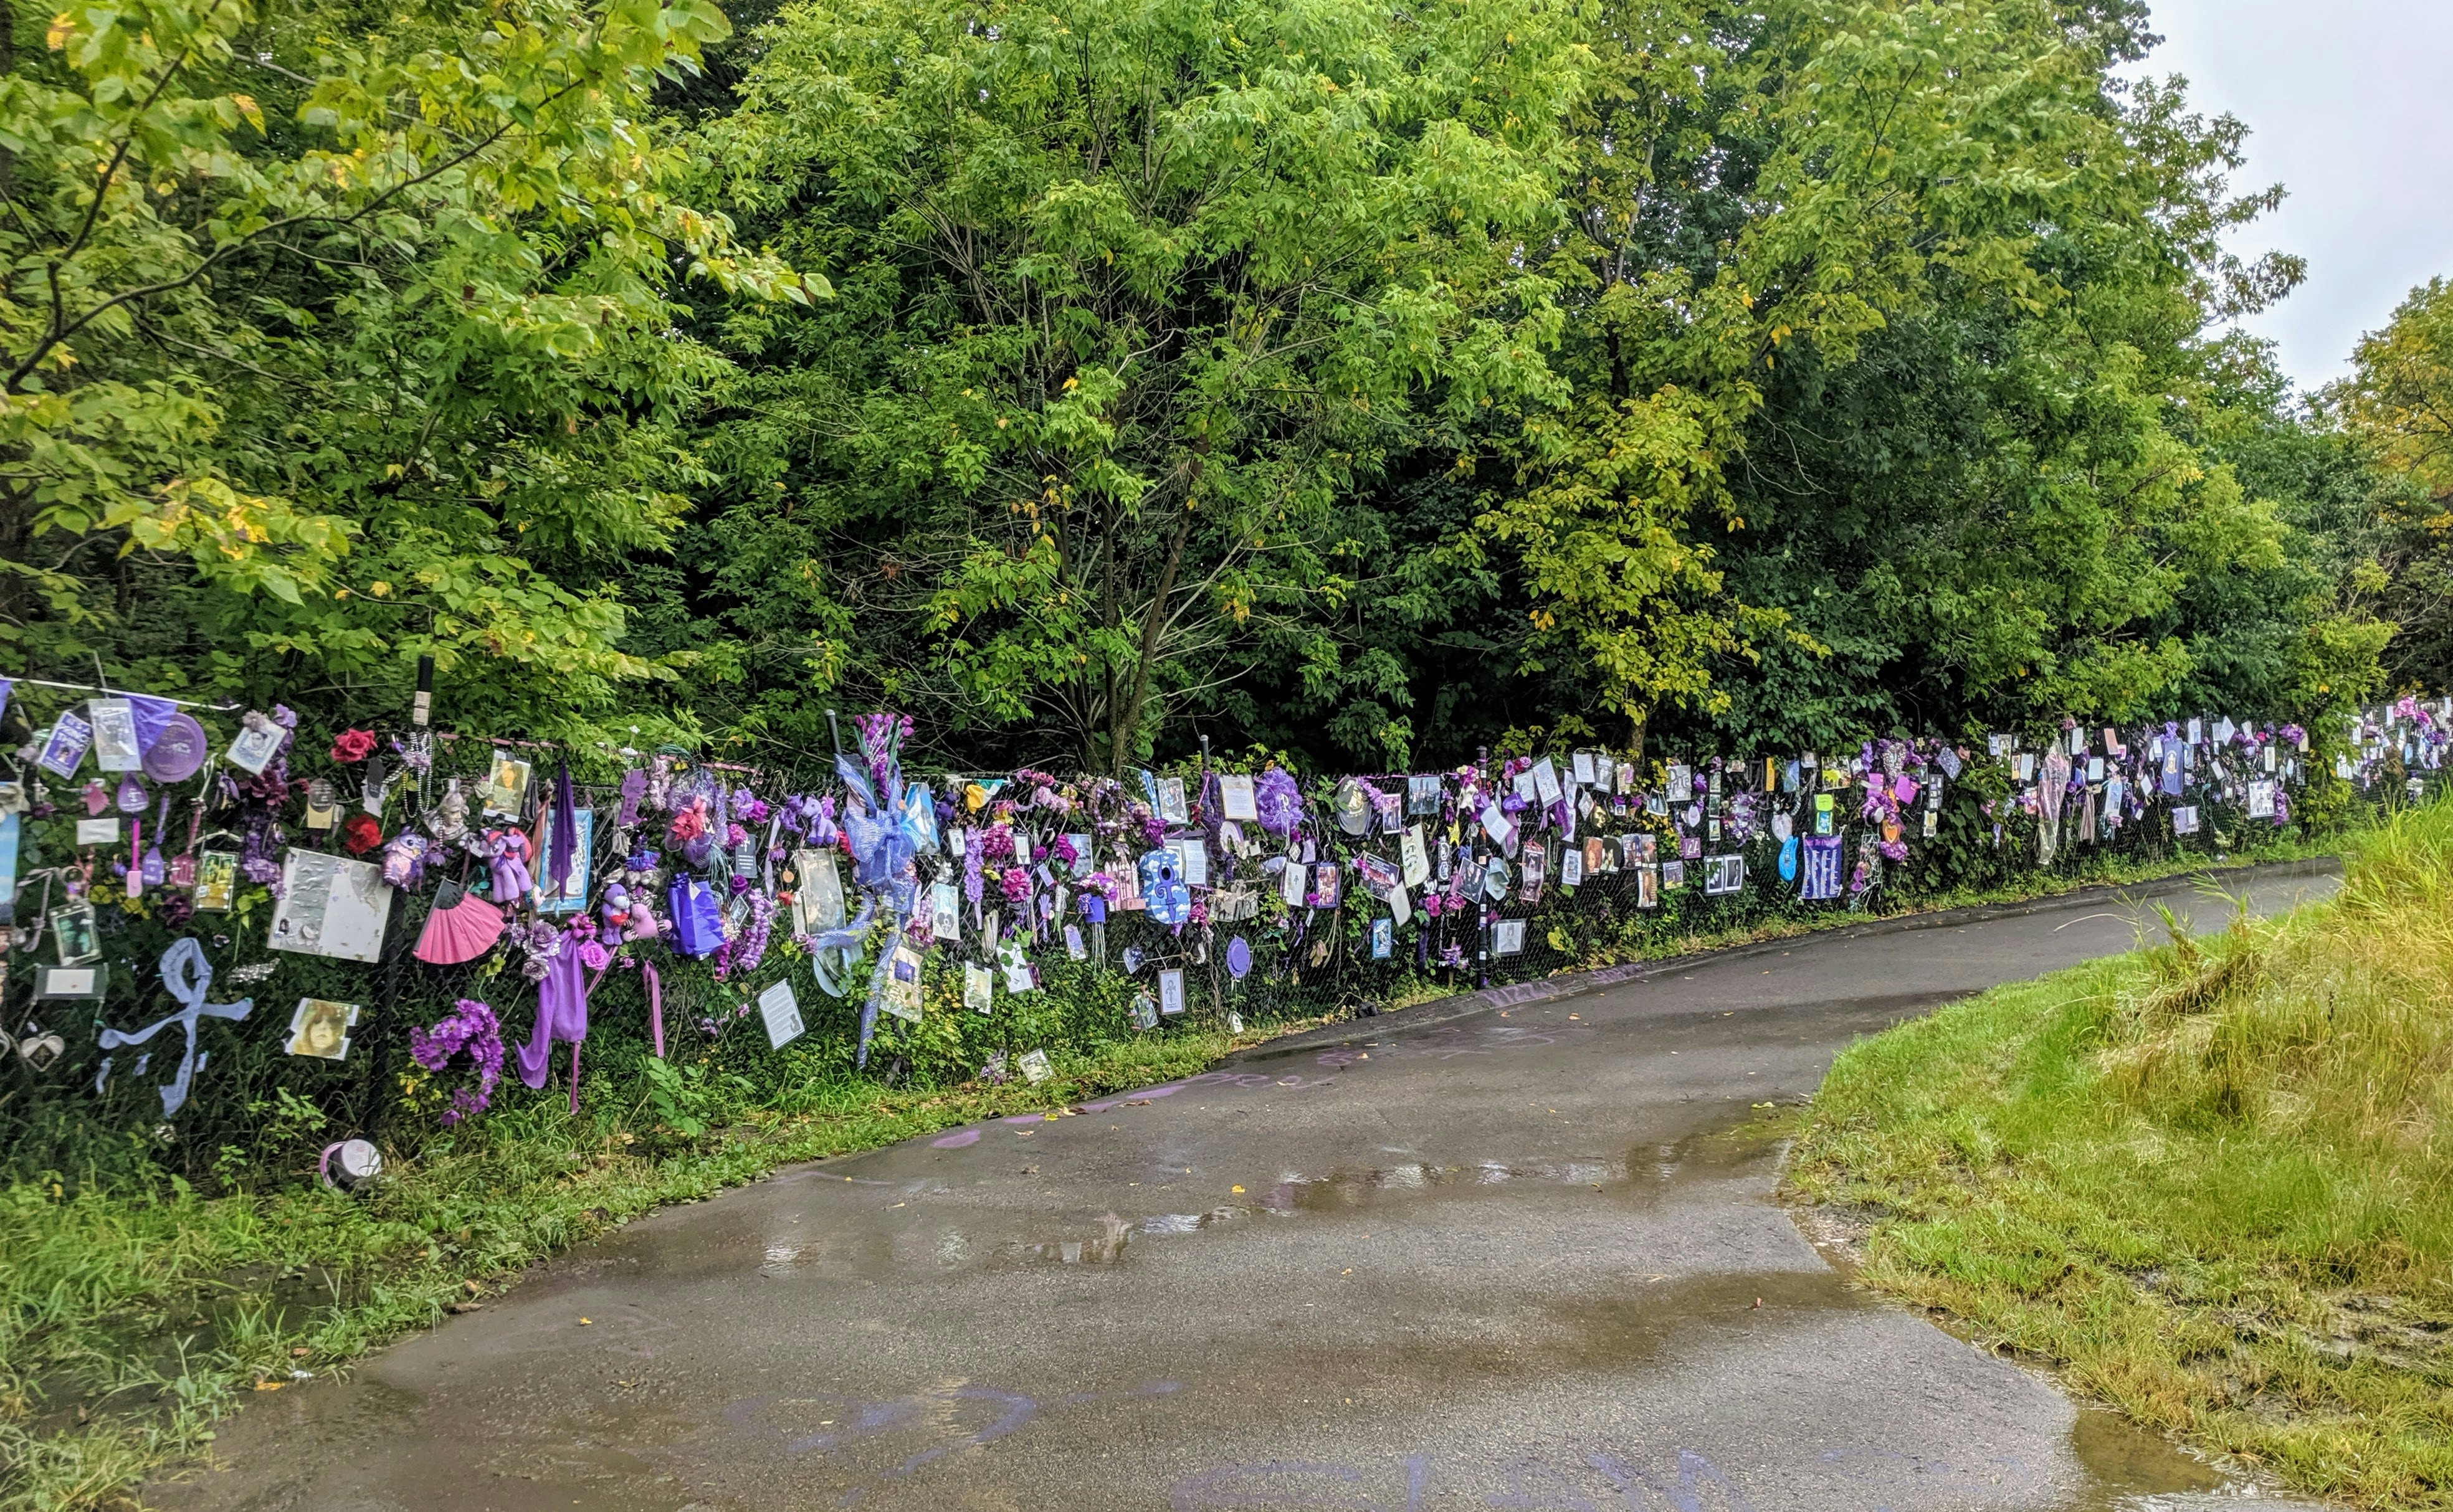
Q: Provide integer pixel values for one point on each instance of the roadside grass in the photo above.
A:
(132, 1318)
(2209, 1184)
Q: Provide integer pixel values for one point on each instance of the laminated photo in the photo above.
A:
(65, 749)
(1170, 993)
(255, 747)
(320, 1028)
(330, 906)
(1235, 797)
(115, 735)
(217, 881)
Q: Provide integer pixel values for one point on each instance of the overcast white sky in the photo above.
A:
(2348, 106)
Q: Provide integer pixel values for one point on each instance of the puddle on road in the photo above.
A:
(959, 1235)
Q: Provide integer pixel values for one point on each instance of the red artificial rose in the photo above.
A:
(361, 834)
(353, 746)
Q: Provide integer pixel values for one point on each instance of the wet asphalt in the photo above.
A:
(1464, 1256)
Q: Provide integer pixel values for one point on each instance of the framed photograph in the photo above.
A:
(1596, 856)
(1329, 885)
(1423, 796)
(1170, 993)
(65, 749)
(1235, 797)
(1508, 937)
(1673, 874)
(574, 896)
(505, 794)
(1384, 939)
(1723, 875)
(115, 735)
(1290, 885)
(1191, 860)
(1647, 887)
(217, 881)
(320, 1028)
(1172, 808)
(75, 939)
(1571, 868)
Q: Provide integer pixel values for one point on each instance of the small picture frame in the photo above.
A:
(75, 938)
(1235, 799)
(1384, 937)
(1423, 796)
(505, 794)
(1170, 993)
(217, 881)
(1171, 807)
(83, 983)
(1572, 867)
(1508, 937)
(1673, 874)
(320, 1028)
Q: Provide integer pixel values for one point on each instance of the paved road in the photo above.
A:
(1495, 1261)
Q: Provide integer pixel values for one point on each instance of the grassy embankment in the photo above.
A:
(131, 1317)
(2209, 1184)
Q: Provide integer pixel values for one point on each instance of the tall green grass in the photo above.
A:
(2210, 1183)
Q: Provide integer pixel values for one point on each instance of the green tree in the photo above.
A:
(328, 344)
(1133, 298)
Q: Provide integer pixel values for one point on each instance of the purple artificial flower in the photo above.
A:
(1277, 802)
(472, 1026)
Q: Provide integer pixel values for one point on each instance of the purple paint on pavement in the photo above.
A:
(957, 1139)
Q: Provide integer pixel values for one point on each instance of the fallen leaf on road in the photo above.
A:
(270, 1386)
(1234, 1188)
(457, 1307)
(583, 1323)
